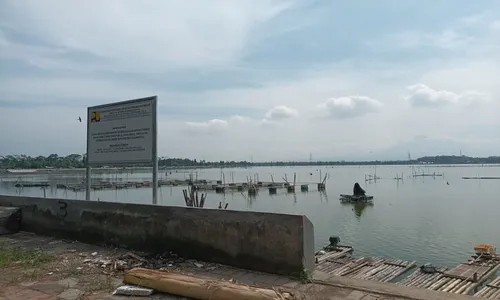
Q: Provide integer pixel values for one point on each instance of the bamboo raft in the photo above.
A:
(482, 177)
(20, 184)
(355, 198)
(462, 279)
(422, 279)
(204, 185)
(342, 263)
(490, 290)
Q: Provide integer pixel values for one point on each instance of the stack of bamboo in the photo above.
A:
(423, 280)
(191, 197)
(376, 269)
(453, 285)
(491, 290)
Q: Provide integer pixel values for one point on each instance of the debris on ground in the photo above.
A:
(130, 290)
(113, 264)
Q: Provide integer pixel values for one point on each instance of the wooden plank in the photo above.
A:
(198, 288)
(464, 271)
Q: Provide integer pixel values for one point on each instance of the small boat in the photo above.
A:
(355, 198)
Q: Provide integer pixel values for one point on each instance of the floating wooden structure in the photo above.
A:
(340, 262)
(482, 177)
(399, 177)
(370, 177)
(463, 279)
(490, 290)
(219, 186)
(290, 187)
(434, 174)
(322, 183)
(20, 184)
(355, 198)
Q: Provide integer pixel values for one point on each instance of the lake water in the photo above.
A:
(436, 220)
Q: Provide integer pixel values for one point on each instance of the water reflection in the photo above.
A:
(358, 208)
(323, 197)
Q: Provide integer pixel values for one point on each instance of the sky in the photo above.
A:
(268, 79)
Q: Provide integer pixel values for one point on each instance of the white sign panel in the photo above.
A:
(122, 132)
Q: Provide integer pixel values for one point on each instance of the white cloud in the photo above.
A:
(281, 112)
(495, 25)
(446, 39)
(349, 107)
(270, 112)
(211, 126)
(159, 35)
(421, 95)
(238, 120)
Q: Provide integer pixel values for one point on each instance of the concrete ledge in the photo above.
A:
(10, 220)
(273, 243)
(387, 289)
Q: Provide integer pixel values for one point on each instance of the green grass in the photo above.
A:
(26, 258)
(100, 284)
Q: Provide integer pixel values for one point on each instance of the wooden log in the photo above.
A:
(422, 279)
(482, 292)
(495, 295)
(10, 220)
(436, 286)
(413, 279)
(347, 266)
(463, 288)
(370, 274)
(333, 255)
(450, 286)
(197, 288)
(489, 293)
(459, 286)
(494, 282)
(491, 273)
(431, 281)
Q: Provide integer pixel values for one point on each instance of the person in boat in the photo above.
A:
(357, 190)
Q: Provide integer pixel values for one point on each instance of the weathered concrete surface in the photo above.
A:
(10, 219)
(70, 275)
(274, 243)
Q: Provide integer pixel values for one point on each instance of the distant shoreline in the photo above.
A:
(76, 162)
(19, 171)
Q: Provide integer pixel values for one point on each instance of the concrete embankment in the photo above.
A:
(268, 242)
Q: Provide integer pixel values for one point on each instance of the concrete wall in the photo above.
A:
(274, 243)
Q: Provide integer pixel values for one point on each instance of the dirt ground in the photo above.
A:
(37, 268)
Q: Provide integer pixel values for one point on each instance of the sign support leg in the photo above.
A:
(88, 183)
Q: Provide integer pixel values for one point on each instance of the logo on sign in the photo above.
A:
(95, 117)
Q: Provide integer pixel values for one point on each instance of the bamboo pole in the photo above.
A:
(197, 288)
(495, 295)
(492, 272)
(439, 283)
(489, 293)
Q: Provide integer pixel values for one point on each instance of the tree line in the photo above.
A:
(78, 161)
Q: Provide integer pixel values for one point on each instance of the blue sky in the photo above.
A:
(338, 79)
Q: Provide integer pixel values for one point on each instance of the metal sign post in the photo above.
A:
(123, 133)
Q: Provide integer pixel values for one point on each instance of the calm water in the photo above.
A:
(423, 219)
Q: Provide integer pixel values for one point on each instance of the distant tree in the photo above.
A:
(78, 161)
